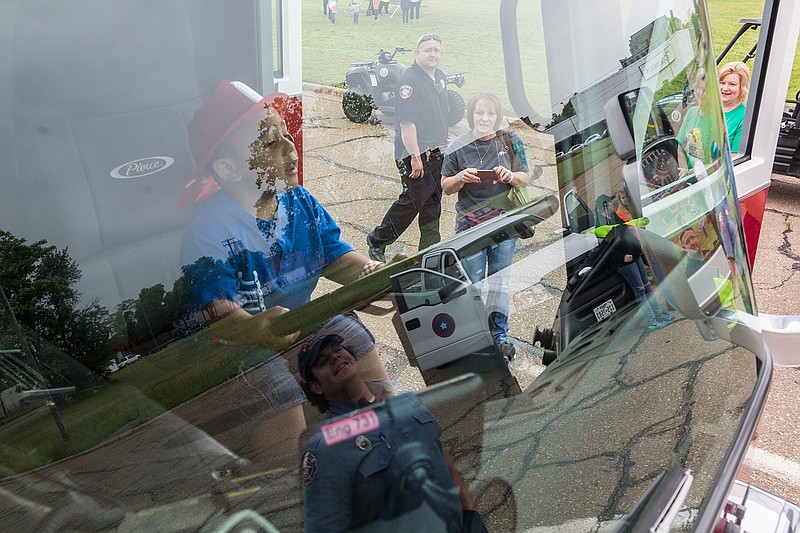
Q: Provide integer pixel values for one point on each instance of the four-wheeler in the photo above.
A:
(372, 85)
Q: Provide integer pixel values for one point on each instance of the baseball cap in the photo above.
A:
(221, 114)
(309, 352)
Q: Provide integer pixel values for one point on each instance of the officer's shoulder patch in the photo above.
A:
(308, 468)
(406, 91)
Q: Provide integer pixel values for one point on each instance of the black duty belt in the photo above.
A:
(434, 154)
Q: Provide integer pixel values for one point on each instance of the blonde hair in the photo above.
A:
(741, 70)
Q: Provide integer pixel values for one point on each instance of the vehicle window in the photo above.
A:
(437, 275)
(420, 288)
(736, 44)
(451, 268)
(432, 263)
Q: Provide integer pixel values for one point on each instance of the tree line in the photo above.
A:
(72, 341)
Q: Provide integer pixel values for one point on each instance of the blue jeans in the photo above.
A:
(635, 275)
(493, 262)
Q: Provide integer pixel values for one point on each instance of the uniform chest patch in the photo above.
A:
(308, 468)
(406, 91)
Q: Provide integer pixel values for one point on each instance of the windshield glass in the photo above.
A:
(452, 277)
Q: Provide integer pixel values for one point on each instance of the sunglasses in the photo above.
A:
(429, 37)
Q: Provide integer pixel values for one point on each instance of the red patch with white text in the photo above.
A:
(349, 427)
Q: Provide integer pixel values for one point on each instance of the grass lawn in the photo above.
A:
(134, 395)
(724, 16)
(329, 49)
(571, 167)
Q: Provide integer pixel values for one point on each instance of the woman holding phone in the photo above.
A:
(482, 166)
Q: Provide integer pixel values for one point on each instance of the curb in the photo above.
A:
(323, 89)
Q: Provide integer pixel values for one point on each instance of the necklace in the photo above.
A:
(491, 144)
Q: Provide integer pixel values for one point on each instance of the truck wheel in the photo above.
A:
(357, 107)
(457, 107)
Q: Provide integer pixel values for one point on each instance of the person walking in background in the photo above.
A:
(325, 7)
(375, 4)
(415, 8)
(623, 212)
(734, 85)
(482, 166)
(629, 265)
(332, 7)
(355, 6)
(405, 6)
(420, 138)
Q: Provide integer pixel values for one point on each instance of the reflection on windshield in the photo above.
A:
(414, 298)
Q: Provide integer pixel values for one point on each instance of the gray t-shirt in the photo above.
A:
(468, 152)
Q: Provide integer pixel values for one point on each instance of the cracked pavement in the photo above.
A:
(776, 279)
(584, 420)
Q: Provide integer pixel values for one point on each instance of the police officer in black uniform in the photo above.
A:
(377, 463)
(420, 139)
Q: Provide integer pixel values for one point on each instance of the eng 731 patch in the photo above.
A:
(308, 468)
(406, 91)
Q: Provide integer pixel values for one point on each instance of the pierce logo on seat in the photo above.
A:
(142, 167)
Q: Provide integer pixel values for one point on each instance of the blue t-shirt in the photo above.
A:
(230, 254)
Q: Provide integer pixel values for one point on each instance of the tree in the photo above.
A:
(566, 112)
(38, 281)
(88, 334)
(123, 319)
(150, 311)
(205, 272)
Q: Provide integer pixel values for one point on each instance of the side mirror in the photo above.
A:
(578, 216)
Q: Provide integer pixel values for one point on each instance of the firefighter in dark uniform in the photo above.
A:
(420, 139)
(378, 467)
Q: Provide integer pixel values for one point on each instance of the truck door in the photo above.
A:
(443, 317)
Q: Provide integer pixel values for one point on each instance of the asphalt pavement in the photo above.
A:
(172, 479)
(773, 461)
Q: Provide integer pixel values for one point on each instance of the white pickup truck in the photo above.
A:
(123, 361)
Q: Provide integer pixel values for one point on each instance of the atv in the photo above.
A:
(372, 84)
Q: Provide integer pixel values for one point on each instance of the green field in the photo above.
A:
(329, 49)
(724, 15)
(134, 395)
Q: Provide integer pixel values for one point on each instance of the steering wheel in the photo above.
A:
(660, 163)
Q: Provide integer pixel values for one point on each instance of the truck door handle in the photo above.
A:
(412, 324)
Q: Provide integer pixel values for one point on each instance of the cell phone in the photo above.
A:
(487, 174)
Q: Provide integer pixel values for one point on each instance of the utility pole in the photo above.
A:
(32, 362)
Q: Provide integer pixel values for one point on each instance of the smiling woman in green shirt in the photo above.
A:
(734, 84)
